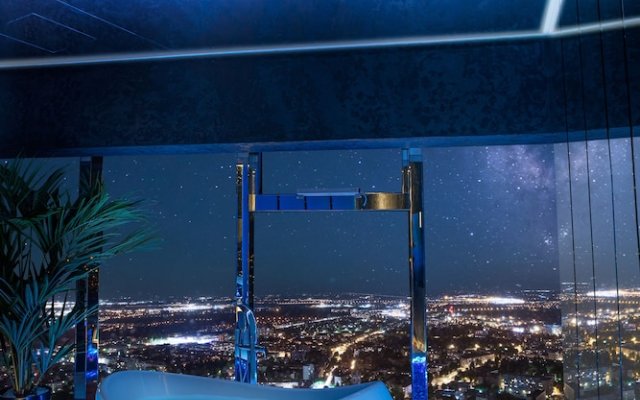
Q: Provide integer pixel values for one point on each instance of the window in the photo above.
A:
(533, 277)
(332, 287)
(169, 309)
(493, 282)
(599, 266)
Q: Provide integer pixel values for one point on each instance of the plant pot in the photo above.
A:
(42, 393)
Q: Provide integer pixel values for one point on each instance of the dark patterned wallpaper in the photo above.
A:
(504, 88)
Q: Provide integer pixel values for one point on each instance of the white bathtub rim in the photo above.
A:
(146, 378)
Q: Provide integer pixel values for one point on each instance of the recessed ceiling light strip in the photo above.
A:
(551, 16)
(311, 47)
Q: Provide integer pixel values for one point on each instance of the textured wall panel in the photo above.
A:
(459, 91)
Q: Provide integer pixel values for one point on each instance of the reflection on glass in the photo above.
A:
(169, 309)
(533, 273)
(599, 269)
(494, 294)
(338, 312)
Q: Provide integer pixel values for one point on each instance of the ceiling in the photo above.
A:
(64, 27)
(52, 28)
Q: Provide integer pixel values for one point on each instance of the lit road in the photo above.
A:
(341, 349)
(315, 321)
(444, 379)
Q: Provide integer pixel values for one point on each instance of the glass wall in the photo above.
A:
(332, 287)
(169, 308)
(494, 318)
(532, 266)
(600, 270)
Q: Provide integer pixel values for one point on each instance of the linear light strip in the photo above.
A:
(215, 52)
(24, 42)
(598, 27)
(551, 16)
(306, 47)
(72, 29)
(113, 25)
(42, 17)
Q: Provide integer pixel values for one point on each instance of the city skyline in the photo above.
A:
(347, 339)
(478, 344)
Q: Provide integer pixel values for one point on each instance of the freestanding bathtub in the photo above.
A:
(151, 385)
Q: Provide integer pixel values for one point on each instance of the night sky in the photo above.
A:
(490, 216)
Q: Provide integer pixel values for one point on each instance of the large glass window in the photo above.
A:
(332, 287)
(493, 281)
(533, 276)
(600, 270)
(169, 309)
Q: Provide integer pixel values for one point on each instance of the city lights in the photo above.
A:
(177, 340)
(504, 300)
(328, 341)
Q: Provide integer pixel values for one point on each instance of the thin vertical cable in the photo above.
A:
(573, 238)
(613, 205)
(586, 143)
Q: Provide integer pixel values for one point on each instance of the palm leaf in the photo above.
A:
(66, 239)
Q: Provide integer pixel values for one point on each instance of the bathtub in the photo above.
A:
(151, 385)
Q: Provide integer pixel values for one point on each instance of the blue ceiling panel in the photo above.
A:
(77, 27)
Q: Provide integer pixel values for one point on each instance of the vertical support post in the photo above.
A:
(255, 188)
(412, 188)
(242, 220)
(87, 296)
(248, 185)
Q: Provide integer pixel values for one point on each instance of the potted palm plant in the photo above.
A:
(49, 241)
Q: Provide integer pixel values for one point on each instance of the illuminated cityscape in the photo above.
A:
(436, 196)
(510, 346)
(479, 346)
(491, 333)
